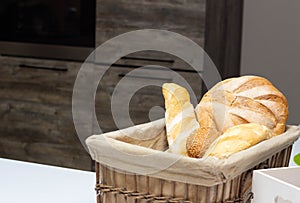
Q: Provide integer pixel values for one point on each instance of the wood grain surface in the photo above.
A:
(36, 94)
(185, 17)
(36, 113)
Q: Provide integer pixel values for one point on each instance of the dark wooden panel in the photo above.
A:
(36, 93)
(45, 153)
(30, 122)
(146, 58)
(143, 100)
(148, 75)
(41, 109)
(186, 17)
(36, 112)
(223, 33)
(115, 17)
(49, 73)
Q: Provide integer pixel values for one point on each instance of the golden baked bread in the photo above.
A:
(246, 99)
(180, 117)
(238, 138)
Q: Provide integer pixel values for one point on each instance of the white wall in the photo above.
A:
(271, 47)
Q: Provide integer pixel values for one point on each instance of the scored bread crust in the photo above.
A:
(246, 99)
(180, 117)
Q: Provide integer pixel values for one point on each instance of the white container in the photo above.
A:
(278, 185)
(295, 151)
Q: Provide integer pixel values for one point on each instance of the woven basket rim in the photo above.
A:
(213, 171)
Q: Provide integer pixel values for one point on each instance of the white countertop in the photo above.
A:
(22, 182)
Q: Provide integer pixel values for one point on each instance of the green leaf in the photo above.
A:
(297, 159)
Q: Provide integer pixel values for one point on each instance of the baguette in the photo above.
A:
(180, 117)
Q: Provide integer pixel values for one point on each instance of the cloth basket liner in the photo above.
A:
(142, 149)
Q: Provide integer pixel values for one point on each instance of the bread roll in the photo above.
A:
(238, 138)
(180, 117)
(246, 99)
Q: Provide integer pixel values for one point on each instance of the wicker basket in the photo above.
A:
(116, 185)
(158, 190)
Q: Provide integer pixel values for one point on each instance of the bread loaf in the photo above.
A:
(246, 99)
(180, 117)
(238, 138)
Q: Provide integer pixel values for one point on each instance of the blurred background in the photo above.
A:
(43, 44)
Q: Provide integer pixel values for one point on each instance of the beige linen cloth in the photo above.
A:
(142, 149)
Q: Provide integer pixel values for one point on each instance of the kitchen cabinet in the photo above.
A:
(36, 94)
(117, 17)
(36, 114)
(136, 96)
